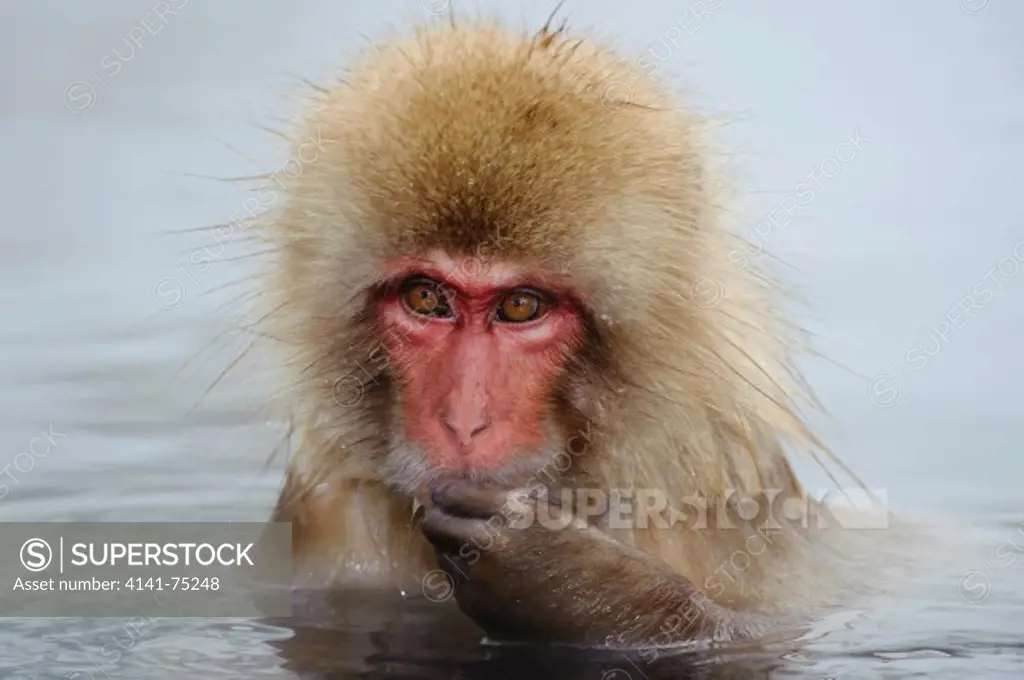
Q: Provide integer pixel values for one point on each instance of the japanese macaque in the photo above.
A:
(506, 276)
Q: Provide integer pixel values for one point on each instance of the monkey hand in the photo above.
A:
(525, 570)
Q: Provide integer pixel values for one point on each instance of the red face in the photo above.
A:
(477, 349)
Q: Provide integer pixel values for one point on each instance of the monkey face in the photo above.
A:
(476, 350)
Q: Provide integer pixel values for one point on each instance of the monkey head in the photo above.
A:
(503, 242)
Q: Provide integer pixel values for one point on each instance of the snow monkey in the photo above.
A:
(504, 277)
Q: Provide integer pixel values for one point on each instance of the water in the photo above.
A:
(98, 168)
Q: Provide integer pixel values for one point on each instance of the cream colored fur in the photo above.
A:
(579, 162)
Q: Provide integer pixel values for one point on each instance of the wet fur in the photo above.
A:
(477, 140)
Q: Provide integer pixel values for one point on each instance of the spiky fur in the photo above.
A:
(545, 150)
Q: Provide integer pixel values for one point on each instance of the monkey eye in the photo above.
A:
(425, 297)
(521, 306)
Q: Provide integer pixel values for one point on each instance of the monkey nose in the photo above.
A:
(465, 426)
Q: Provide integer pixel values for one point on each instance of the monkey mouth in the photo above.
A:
(414, 472)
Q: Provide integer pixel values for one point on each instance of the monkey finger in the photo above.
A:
(467, 499)
(454, 534)
(457, 567)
